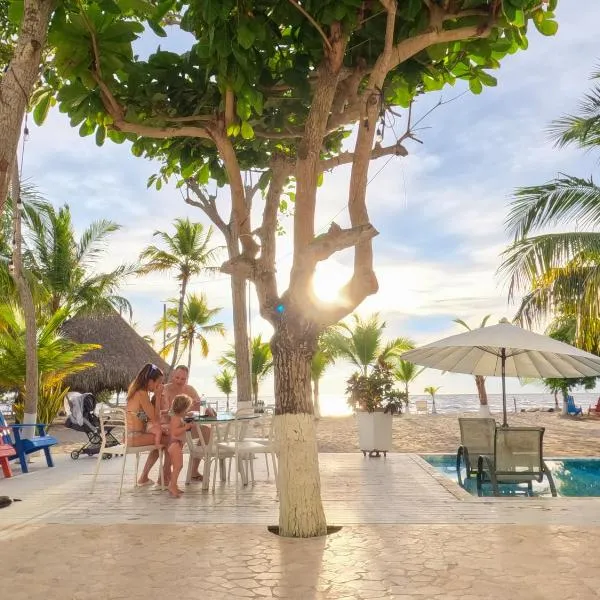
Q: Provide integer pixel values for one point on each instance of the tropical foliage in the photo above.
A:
(432, 391)
(57, 358)
(65, 267)
(406, 372)
(375, 391)
(198, 322)
(560, 271)
(322, 359)
(261, 363)
(362, 343)
(224, 382)
(185, 253)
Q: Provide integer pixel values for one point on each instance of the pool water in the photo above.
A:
(572, 477)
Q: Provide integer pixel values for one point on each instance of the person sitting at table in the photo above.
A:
(178, 384)
(143, 423)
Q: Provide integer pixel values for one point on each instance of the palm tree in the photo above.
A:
(323, 358)
(64, 266)
(186, 253)
(197, 322)
(261, 362)
(224, 381)
(406, 372)
(57, 357)
(479, 379)
(560, 271)
(362, 342)
(432, 391)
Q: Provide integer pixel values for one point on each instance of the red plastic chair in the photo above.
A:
(6, 451)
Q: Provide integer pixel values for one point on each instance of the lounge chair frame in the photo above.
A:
(476, 438)
(517, 458)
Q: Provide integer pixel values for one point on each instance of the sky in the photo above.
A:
(440, 211)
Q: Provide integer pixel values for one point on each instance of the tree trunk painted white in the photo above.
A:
(301, 511)
(16, 84)
(484, 410)
(27, 305)
(316, 400)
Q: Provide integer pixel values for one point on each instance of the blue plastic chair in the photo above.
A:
(571, 408)
(23, 447)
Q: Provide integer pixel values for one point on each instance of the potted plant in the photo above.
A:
(375, 400)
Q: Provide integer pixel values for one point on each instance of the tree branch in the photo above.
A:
(265, 276)
(207, 204)
(240, 219)
(346, 158)
(337, 239)
(314, 23)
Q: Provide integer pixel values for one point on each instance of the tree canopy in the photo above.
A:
(274, 83)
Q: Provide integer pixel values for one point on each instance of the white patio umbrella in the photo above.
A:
(505, 350)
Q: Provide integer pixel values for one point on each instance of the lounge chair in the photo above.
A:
(572, 409)
(594, 411)
(476, 438)
(517, 458)
(421, 407)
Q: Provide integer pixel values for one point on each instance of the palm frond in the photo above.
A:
(563, 199)
(583, 128)
(526, 261)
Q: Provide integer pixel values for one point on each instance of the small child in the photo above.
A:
(177, 428)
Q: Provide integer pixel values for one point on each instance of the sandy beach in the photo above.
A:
(564, 436)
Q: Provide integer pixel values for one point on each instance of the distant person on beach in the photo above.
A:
(143, 419)
(178, 384)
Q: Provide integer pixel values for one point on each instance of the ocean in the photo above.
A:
(336, 406)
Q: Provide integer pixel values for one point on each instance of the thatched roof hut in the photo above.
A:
(122, 355)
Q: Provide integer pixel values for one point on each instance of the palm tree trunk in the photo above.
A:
(406, 400)
(184, 283)
(31, 357)
(481, 391)
(227, 402)
(190, 353)
(255, 391)
(316, 402)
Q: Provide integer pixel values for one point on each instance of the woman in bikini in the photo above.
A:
(143, 421)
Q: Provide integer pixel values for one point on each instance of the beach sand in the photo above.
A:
(564, 436)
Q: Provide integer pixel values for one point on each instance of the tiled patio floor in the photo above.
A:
(407, 534)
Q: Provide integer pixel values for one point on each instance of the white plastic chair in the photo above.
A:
(200, 450)
(243, 451)
(114, 420)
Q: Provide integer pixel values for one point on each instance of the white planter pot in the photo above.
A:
(374, 432)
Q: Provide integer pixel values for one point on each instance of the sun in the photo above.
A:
(328, 280)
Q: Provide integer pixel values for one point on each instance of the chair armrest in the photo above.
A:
(17, 426)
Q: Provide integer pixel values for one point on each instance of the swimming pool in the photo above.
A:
(572, 477)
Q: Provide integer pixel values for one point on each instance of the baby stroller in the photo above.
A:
(81, 417)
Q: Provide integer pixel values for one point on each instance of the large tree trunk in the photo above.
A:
(179, 324)
(26, 298)
(316, 400)
(240, 336)
(17, 84)
(301, 511)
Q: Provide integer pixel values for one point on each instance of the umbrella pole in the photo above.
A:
(503, 359)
